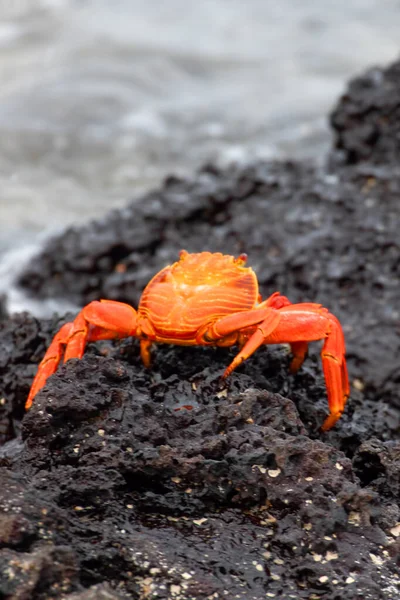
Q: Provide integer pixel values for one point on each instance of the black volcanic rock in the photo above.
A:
(367, 118)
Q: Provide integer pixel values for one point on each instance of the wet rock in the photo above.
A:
(46, 571)
(95, 592)
(230, 495)
(377, 464)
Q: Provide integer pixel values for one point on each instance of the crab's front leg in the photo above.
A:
(234, 324)
(298, 348)
(307, 322)
(277, 321)
(102, 320)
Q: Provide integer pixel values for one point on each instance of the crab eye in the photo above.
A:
(183, 254)
(241, 259)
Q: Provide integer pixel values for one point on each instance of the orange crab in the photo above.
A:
(210, 300)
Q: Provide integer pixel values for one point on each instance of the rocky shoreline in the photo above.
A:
(108, 491)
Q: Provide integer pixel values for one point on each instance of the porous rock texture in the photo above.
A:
(168, 483)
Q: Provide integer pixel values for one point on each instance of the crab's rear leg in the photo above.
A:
(335, 371)
(102, 320)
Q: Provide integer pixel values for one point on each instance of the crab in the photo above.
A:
(208, 299)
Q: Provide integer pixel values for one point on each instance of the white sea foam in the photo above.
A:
(18, 300)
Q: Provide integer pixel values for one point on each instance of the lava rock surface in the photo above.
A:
(167, 483)
(367, 118)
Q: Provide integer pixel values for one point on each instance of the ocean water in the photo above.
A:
(100, 99)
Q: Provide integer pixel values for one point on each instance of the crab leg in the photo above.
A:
(276, 300)
(49, 363)
(296, 324)
(299, 349)
(335, 371)
(233, 323)
(102, 320)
